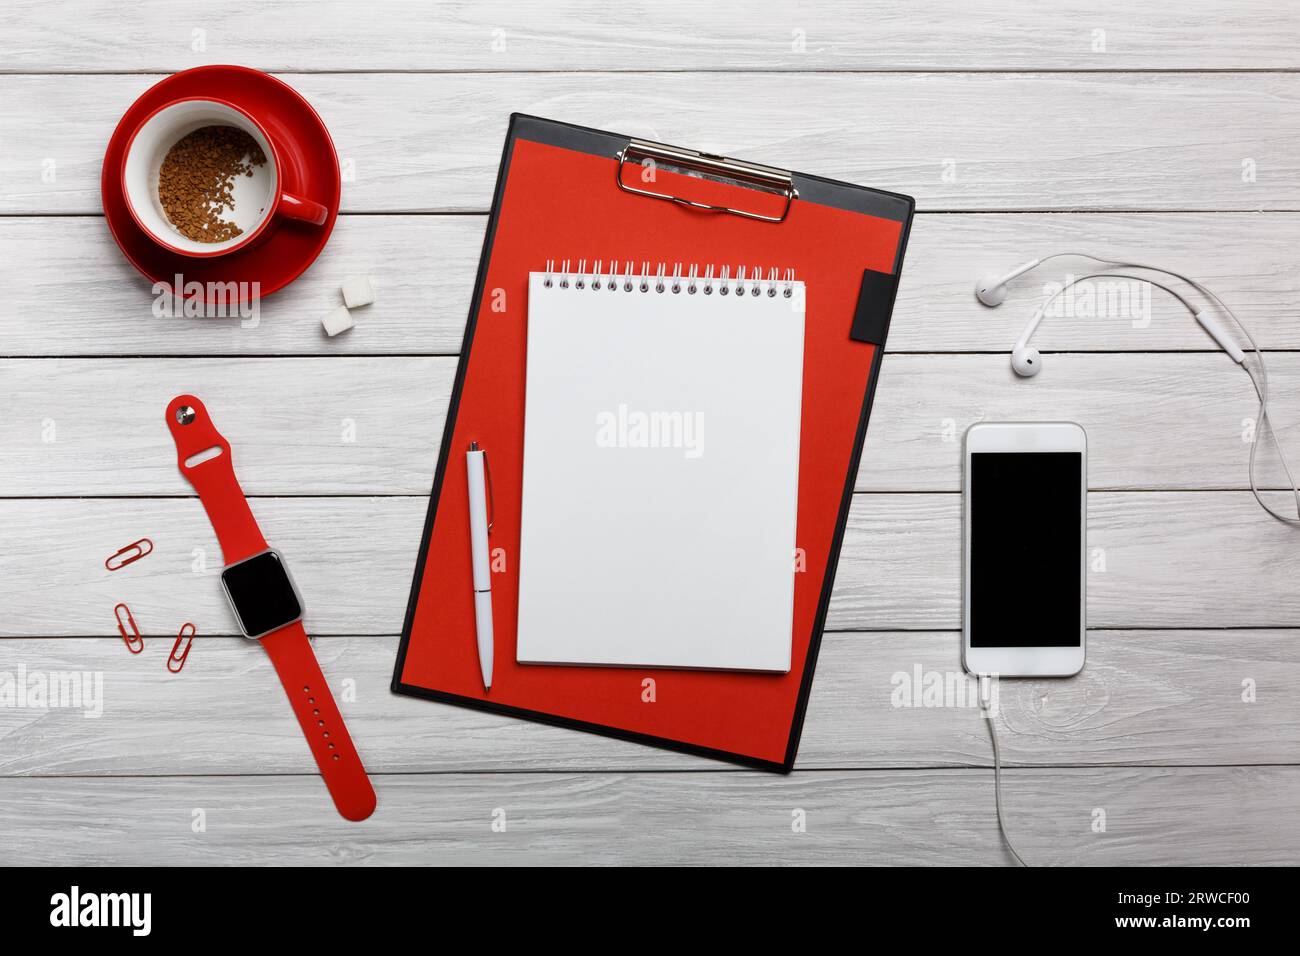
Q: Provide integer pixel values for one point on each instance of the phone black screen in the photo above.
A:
(1025, 549)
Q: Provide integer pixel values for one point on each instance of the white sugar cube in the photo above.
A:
(337, 320)
(357, 291)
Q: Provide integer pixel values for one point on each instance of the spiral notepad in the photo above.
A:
(661, 466)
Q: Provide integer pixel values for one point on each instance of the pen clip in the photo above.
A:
(491, 497)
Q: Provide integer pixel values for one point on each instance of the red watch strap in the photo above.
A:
(214, 479)
(290, 650)
(321, 722)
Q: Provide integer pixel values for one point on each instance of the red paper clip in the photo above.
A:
(174, 662)
(134, 642)
(130, 554)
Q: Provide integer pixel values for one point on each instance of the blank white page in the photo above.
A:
(661, 476)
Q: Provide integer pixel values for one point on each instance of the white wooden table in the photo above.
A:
(1106, 126)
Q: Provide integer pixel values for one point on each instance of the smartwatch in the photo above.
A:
(267, 603)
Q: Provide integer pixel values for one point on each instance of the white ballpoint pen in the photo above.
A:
(480, 525)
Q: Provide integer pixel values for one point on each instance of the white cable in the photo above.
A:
(985, 691)
(1114, 275)
(1259, 380)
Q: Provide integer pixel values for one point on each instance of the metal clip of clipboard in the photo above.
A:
(720, 168)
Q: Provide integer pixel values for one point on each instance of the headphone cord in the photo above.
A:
(1258, 378)
(986, 706)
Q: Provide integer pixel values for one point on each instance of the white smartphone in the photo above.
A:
(1025, 518)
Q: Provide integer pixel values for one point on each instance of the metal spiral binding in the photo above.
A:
(688, 280)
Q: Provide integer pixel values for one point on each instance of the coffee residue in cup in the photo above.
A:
(197, 177)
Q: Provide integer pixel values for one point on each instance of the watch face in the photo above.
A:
(261, 593)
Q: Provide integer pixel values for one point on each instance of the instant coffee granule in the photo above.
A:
(197, 176)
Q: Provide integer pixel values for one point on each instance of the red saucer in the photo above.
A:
(310, 169)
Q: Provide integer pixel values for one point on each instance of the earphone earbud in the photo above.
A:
(992, 290)
(1026, 361)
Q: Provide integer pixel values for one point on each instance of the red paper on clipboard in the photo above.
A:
(557, 198)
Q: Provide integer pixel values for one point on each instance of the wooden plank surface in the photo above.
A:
(955, 142)
(1171, 559)
(571, 35)
(70, 292)
(1087, 125)
(880, 700)
(1162, 423)
(333, 427)
(1166, 816)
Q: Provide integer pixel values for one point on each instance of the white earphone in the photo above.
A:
(992, 290)
(1027, 362)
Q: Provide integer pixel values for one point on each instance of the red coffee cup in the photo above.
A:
(258, 199)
